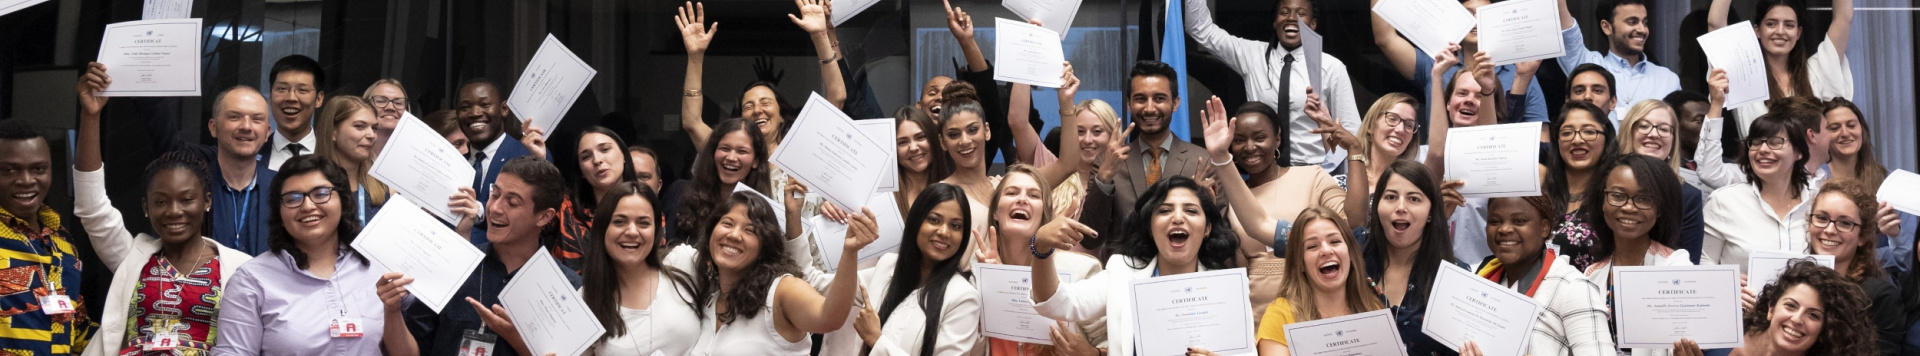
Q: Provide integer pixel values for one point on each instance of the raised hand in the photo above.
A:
(813, 16)
(1331, 133)
(1450, 196)
(1889, 220)
(693, 29)
(988, 250)
(1526, 68)
(1218, 129)
(959, 22)
(89, 88)
(1483, 71)
(465, 204)
(1116, 156)
(1445, 60)
(763, 68)
(392, 289)
(861, 231)
(1069, 85)
(534, 138)
(796, 195)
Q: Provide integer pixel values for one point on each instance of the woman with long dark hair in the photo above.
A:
(921, 160)
(603, 164)
(1584, 141)
(644, 305)
(1406, 241)
(926, 306)
(733, 154)
(1791, 71)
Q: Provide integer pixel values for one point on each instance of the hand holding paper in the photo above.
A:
(1495, 160)
(832, 155)
(440, 259)
(1056, 15)
(1027, 54)
(546, 309)
(1897, 190)
(422, 165)
(152, 57)
(549, 84)
(1736, 49)
(1521, 30)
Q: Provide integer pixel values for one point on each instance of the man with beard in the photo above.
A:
(1625, 24)
(1154, 154)
(240, 174)
(483, 118)
(1277, 75)
(296, 97)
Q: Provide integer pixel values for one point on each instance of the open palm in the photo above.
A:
(813, 16)
(693, 29)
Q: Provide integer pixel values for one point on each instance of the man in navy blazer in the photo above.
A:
(483, 118)
(239, 124)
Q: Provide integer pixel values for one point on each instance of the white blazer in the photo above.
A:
(1104, 295)
(901, 334)
(126, 254)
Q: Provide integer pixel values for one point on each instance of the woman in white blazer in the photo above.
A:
(925, 307)
(645, 306)
(1175, 228)
(179, 312)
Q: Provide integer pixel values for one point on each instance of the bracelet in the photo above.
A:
(836, 56)
(1358, 157)
(1033, 245)
(693, 93)
(1218, 164)
(1069, 113)
(1487, 93)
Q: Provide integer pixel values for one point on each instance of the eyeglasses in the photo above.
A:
(1581, 134)
(1395, 121)
(1773, 143)
(385, 101)
(1618, 199)
(1821, 220)
(1644, 128)
(320, 195)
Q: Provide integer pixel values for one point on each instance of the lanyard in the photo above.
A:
(361, 201)
(240, 219)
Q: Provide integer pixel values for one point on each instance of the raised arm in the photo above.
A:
(1026, 138)
(103, 223)
(1070, 159)
(1246, 207)
(805, 309)
(961, 25)
(1717, 13)
(1566, 16)
(813, 18)
(696, 34)
(1842, 25)
(1398, 51)
(1239, 53)
(1437, 121)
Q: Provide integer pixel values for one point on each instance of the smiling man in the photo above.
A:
(49, 317)
(1152, 96)
(295, 97)
(1625, 24)
(483, 118)
(1277, 75)
(240, 126)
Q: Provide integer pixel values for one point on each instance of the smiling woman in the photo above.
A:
(347, 135)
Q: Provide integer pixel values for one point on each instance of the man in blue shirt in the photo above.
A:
(1625, 24)
(240, 178)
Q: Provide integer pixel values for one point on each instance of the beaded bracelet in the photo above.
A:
(1033, 246)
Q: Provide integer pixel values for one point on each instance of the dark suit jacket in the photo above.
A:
(1106, 211)
(1693, 227)
(510, 148)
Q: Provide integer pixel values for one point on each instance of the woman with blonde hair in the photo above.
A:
(346, 136)
(1335, 286)
(1097, 126)
(1650, 129)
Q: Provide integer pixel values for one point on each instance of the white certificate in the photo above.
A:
(1495, 160)
(547, 309)
(1315, 46)
(1429, 24)
(1369, 333)
(1056, 15)
(881, 130)
(1027, 54)
(1763, 267)
(152, 57)
(846, 9)
(779, 209)
(1736, 49)
(1894, 191)
(832, 155)
(422, 165)
(402, 239)
(1653, 307)
(9, 6)
(1474, 309)
(166, 9)
(1521, 30)
(1005, 297)
(831, 236)
(547, 88)
(1202, 309)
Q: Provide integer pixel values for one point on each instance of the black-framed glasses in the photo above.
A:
(1772, 143)
(1821, 220)
(1582, 134)
(385, 101)
(320, 195)
(1618, 199)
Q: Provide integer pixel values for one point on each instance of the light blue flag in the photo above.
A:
(1173, 51)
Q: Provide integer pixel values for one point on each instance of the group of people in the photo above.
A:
(251, 249)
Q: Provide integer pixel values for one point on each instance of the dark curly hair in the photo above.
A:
(750, 294)
(600, 277)
(1217, 249)
(1844, 329)
(277, 238)
(705, 199)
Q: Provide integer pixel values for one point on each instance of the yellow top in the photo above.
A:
(1273, 325)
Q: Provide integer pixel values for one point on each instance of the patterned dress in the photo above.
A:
(39, 263)
(1573, 237)
(166, 302)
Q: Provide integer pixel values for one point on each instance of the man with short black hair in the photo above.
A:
(1690, 109)
(1155, 153)
(483, 117)
(1593, 84)
(48, 315)
(1625, 24)
(296, 95)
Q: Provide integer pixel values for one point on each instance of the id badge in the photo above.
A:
(345, 327)
(56, 304)
(476, 343)
(165, 341)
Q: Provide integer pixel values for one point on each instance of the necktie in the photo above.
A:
(478, 175)
(296, 147)
(1153, 165)
(1286, 85)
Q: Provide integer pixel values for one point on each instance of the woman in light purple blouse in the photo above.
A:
(308, 295)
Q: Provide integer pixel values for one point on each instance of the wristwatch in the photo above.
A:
(1358, 157)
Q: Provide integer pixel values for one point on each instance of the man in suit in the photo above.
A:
(296, 97)
(483, 118)
(1154, 154)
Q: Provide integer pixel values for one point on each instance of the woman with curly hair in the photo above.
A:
(1839, 226)
(1811, 310)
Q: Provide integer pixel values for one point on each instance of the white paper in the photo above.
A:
(1474, 309)
(779, 208)
(832, 155)
(1315, 46)
(1521, 30)
(400, 239)
(422, 165)
(1005, 298)
(1736, 49)
(9, 6)
(1027, 54)
(1056, 15)
(1369, 333)
(549, 85)
(166, 9)
(1763, 267)
(1429, 24)
(846, 9)
(152, 57)
(881, 130)
(831, 236)
(1653, 307)
(1898, 190)
(1202, 309)
(1495, 160)
(547, 309)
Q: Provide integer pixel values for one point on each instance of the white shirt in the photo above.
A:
(281, 154)
(1261, 69)
(902, 333)
(662, 327)
(1104, 295)
(1827, 72)
(1739, 222)
(493, 149)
